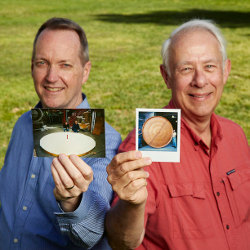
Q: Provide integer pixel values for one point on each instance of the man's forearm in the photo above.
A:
(125, 225)
(125, 221)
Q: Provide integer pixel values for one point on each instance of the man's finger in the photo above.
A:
(135, 185)
(128, 166)
(61, 174)
(72, 171)
(82, 166)
(127, 178)
(80, 178)
(135, 191)
(125, 157)
(56, 177)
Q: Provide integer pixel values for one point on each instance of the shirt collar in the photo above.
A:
(214, 124)
(83, 105)
(216, 129)
(170, 105)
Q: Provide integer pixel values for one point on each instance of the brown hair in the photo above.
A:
(57, 23)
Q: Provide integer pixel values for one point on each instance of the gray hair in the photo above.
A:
(192, 25)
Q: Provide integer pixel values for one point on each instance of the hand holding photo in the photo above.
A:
(69, 131)
(158, 134)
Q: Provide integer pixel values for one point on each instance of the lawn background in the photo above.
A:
(125, 40)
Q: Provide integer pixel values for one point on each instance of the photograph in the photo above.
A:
(69, 131)
(158, 134)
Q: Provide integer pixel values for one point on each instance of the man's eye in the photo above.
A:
(209, 66)
(186, 69)
(66, 65)
(40, 63)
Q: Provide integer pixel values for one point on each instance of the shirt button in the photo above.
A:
(227, 227)
(33, 176)
(15, 240)
(218, 193)
(25, 208)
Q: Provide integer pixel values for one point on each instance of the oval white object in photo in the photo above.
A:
(67, 143)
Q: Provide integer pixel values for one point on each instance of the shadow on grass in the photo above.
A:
(231, 19)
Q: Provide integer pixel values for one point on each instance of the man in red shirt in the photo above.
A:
(203, 202)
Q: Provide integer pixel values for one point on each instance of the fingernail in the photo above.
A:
(60, 156)
(147, 173)
(138, 154)
(73, 156)
(148, 160)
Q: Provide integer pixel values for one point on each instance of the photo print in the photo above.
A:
(69, 131)
(158, 134)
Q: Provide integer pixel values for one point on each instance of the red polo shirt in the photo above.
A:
(203, 202)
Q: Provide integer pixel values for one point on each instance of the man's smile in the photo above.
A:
(53, 89)
(200, 97)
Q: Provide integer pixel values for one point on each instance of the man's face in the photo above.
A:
(57, 70)
(197, 77)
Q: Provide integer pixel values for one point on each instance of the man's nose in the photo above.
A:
(199, 79)
(52, 74)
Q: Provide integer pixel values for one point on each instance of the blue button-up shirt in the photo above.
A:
(30, 217)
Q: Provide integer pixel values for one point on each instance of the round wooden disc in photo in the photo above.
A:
(157, 131)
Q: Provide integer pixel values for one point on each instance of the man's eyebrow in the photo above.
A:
(191, 62)
(39, 58)
(183, 63)
(64, 61)
(211, 60)
(58, 61)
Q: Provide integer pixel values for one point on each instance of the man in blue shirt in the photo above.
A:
(55, 203)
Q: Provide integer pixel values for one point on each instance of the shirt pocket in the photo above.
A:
(191, 211)
(237, 187)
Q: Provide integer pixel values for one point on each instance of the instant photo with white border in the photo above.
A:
(158, 134)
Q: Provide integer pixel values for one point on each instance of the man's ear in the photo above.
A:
(226, 72)
(31, 67)
(86, 71)
(165, 76)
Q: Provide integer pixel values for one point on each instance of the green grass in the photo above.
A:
(125, 39)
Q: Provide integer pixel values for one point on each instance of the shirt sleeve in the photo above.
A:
(85, 226)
